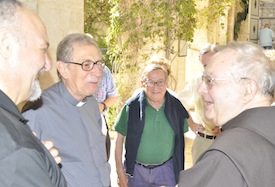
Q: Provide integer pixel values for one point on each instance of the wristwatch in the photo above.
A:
(105, 107)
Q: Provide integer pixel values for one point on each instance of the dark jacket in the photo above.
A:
(24, 161)
(249, 141)
(242, 155)
(175, 113)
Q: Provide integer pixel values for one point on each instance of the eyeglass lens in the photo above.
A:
(89, 65)
(158, 83)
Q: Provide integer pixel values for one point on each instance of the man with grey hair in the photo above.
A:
(266, 36)
(237, 88)
(152, 125)
(204, 128)
(69, 114)
(24, 161)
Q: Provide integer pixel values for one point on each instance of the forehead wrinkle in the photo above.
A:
(221, 63)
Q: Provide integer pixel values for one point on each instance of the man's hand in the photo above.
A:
(216, 130)
(54, 152)
(196, 127)
(121, 174)
(122, 180)
(101, 107)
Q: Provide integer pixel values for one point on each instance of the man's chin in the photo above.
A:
(35, 97)
(36, 91)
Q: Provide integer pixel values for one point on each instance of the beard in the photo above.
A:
(36, 91)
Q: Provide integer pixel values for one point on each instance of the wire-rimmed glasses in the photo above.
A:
(209, 81)
(158, 83)
(88, 65)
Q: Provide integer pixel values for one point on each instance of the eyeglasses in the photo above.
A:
(88, 65)
(158, 83)
(209, 81)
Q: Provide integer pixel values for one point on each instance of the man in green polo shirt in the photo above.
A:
(152, 121)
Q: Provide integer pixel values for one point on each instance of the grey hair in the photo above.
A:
(161, 61)
(251, 62)
(65, 48)
(9, 15)
(150, 68)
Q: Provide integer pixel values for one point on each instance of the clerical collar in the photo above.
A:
(81, 103)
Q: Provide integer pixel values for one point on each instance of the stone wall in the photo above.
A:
(66, 16)
(61, 18)
(221, 36)
(267, 14)
(212, 33)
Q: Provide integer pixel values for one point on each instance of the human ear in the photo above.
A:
(62, 69)
(251, 89)
(142, 83)
(5, 43)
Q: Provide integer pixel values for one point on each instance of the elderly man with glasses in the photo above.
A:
(69, 114)
(152, 122)
(237, 88)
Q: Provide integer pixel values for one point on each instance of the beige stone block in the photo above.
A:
(61, 17)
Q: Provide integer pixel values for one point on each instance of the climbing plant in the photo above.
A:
(241, 16)
(142, 27)
(212, 13)
(96, 19)
(138, 28)
(134, 24)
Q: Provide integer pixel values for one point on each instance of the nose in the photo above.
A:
(202, 89)
(48, 63)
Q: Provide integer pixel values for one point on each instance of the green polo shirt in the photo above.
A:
(157, 140)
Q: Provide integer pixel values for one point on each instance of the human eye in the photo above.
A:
(44, 50)
(207, 79)
(100, 62)
(87, 64)
(44, 47)
(150, 83)
(161, 83)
